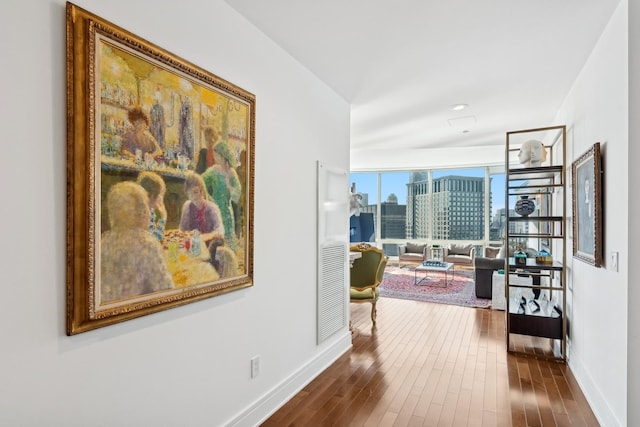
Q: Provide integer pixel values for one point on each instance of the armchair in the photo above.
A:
(366, 274)
(412, 253)
(463, 255)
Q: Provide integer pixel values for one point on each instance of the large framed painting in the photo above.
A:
(160, 178)
(587, 206)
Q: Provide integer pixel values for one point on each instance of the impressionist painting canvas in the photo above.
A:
(160, 178)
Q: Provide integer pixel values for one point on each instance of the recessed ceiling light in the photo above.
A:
(458, 107)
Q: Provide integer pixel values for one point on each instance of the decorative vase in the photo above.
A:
(520, 258)
(525, 206)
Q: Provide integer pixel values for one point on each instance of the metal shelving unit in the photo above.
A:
(536, 311)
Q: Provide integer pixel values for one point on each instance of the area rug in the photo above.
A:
(399, 283)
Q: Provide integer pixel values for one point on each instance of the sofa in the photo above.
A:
(493, 261)
(412, 253)
(484, 275)
(460, 255)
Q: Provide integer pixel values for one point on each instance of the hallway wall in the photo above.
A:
(189, 365)
(596, 110)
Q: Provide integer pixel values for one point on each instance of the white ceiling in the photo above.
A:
(401, 64)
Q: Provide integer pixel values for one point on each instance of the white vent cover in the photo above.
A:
(331, 290)
(463, 122)
(333, 238)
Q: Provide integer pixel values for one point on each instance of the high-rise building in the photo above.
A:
(393, 215)
(458, 208)
(418, 213)
(496, 229)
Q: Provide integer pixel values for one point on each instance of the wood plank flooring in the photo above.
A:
(429, 364)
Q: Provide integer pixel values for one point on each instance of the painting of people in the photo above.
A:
(160, 130)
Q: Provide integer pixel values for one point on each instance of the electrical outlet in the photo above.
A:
(255, 366)
(614, 261)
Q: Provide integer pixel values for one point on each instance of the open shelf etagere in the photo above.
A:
(536, 310)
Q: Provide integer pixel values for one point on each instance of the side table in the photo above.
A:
(436, 253)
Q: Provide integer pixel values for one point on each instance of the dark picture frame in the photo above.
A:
(138, 115)
(586, 172)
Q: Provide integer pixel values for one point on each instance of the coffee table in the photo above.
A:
(433, 265)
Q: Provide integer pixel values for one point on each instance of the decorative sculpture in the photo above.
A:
(532, 153)
(354, 201)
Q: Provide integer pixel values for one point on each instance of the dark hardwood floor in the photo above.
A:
(431, 364)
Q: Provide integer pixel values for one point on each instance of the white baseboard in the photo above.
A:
(269, 403)
(596, 400)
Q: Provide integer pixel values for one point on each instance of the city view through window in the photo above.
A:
(434, 206)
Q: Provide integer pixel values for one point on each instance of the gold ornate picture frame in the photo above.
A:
(160, 178)
(586, 172)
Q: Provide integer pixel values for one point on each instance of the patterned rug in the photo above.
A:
(399, 283)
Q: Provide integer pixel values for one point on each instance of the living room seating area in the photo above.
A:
(416, 253)
(461, 255)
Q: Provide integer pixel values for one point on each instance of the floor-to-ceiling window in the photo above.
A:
(434, 206)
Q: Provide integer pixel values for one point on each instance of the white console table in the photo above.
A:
(498, 299)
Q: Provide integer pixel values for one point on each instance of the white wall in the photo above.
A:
(596, 110)
(633, 352)
(406, 159)
(189, 365)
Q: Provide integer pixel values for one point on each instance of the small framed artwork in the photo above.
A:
(587, 206)
(160, 178)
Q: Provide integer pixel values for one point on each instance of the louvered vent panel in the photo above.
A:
(331, 289)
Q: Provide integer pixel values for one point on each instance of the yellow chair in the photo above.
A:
(366, 274)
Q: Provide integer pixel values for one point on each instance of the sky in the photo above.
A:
(395, 182)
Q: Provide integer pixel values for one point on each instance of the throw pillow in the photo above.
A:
(491, 252)
(413, 248)
(460, 250)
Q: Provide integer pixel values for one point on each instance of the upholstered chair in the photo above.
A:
(412, 253)
(460, 255)
(367, 273)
